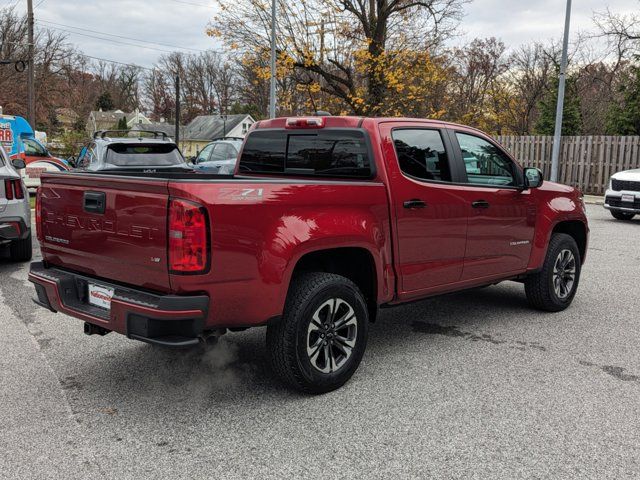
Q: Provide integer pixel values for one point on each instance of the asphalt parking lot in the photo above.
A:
(471, 385)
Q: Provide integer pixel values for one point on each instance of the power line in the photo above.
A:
(109, 40)
(117, 63)
(120, 36)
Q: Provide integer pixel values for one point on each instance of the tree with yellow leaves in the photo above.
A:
(350, 56)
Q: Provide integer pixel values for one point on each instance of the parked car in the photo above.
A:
(19, 141)
(623, 195)
(129, 151)
(15, 211)
(326, 221)
(220, 156)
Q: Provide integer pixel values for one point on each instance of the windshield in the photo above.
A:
(144, 155)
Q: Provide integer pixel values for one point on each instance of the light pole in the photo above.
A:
(555, 157)
(272, 92)
(31, 94)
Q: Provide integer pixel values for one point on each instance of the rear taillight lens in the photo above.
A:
(17, 188)
(8, 189)
(39, 215)
(188, 238)
(13, 189)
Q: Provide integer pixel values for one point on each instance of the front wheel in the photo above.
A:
(619, 215)
(319, 342)
(554, 287)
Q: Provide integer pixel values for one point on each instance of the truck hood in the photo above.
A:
(633, 175)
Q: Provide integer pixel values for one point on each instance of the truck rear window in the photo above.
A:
(328, 153)
(141, 155)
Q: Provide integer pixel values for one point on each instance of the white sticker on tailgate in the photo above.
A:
(100, 296)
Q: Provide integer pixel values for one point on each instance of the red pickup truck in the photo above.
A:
(326, 220)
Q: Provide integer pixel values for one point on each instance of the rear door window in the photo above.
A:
(421, 154)
(328, 153)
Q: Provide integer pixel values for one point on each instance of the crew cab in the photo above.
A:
(326, 220)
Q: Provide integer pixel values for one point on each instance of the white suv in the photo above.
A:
(623, 195)
(15, 212)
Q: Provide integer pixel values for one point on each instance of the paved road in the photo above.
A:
(472, 385)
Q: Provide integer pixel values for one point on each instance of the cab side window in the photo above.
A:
(33, 149)
(485, 163)
(421, 154)
(204, 154)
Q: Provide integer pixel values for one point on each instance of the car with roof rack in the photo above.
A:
(129, 151)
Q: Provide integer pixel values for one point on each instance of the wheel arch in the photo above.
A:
(355, 263)
(578, 231)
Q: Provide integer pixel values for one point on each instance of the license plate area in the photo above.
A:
(100, 296)
(628, 198)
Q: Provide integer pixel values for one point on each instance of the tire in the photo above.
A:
(296, 343)
(21, 250)
(619, 215)
(544, 290)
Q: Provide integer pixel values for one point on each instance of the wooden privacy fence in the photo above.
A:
(585, 162)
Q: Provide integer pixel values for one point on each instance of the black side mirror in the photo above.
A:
(72, 161)
(533, 178)
(19, 164)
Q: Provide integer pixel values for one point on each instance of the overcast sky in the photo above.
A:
(182, 23)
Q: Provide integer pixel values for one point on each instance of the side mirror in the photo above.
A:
(533, 178)
(19, 164)
(72, 161)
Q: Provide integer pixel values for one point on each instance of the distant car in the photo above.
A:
(15, 212)
(220, 156)
(115, 150)
(623, 195)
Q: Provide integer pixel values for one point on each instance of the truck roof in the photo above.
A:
(346, 122)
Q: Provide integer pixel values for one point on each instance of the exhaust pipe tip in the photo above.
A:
(91, 329)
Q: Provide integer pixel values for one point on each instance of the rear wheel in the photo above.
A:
(319, 342)
(554, 287)
(21, 250)
(617, 214)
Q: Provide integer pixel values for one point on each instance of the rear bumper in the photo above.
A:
(167, 320)
(13, 229)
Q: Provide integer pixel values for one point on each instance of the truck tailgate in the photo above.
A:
(106, 226)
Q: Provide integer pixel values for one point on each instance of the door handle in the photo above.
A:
(94, 202)
(415, 204)
(480, 204)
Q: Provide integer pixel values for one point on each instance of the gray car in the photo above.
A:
(122, 151)
(15, 212)
(220, 156)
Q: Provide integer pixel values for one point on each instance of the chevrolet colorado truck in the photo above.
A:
(326, 220)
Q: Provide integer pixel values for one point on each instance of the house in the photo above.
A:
(108, 120)
(206, 128)
(168, 129)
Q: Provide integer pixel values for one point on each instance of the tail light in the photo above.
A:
(39, 215)
(189, 249)
(17, 188)
(8, 189)
(13, 189)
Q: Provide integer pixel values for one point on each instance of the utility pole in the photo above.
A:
(31, 93)
(272, 93)
(178, 110)
(555, 158)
